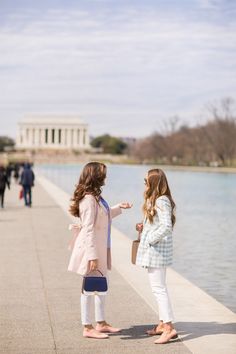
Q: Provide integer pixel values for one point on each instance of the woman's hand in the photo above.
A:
(75, 227)
(139, 227)
(93, 265)
(125, 205)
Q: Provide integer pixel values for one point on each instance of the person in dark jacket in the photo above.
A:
(9, 169)
(27, 182)
(3, 183)
(16, 173)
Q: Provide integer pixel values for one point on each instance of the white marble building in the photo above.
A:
(41, 131)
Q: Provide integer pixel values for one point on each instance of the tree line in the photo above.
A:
(212, 143)
(6, 143)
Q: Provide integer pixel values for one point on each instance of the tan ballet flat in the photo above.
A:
(93, 333)
(107, 328)
(167, 336)
(154, 332)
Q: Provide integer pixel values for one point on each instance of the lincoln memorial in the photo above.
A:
(41, 131)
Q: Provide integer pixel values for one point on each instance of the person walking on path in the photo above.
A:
(16, 173)
(27, 182)
(155, 248)
(9, 172)
(92, 248)
(4, 181)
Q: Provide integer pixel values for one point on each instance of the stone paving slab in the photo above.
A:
(24, 320)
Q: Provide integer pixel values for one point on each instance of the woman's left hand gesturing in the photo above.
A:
(125, 205)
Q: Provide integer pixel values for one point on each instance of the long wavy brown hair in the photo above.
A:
(91, 180)
(156, 186)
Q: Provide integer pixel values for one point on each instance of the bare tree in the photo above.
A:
(149, 149)
(220, 131)
(170, 126)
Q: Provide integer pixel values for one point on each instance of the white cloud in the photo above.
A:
(210, 4)
(114, 65)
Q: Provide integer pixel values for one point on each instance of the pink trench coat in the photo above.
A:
(91, 242)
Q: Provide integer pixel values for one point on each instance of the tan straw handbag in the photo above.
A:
(134, 250)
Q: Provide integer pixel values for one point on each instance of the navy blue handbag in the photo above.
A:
(94, 285)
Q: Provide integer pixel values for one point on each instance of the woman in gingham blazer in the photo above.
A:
(155, 249)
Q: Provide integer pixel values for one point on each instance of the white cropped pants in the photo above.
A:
(86, 308)
(157, 278)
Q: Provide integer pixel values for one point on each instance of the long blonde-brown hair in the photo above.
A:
(91, 180)
(156, 186)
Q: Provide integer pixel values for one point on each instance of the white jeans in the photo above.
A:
(86, 308)
(157, 278)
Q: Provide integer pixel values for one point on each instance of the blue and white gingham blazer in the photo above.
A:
(156, 245)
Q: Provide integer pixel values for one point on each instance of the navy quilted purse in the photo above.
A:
(94, 285)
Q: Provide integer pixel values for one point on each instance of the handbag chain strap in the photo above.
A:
(139, 236)
(96, 270)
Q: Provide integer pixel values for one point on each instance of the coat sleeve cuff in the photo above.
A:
(115, 211)
(91, 255)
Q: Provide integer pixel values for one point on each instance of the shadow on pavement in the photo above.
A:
(190, 330)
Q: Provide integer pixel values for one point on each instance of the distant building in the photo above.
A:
(52, 131)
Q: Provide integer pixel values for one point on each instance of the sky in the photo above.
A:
(124, 66)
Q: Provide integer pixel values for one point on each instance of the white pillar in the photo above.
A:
(39, 137)
(74, 137)
(27, 136)
(33, 136)
(36, 137)
(66, 137)
(87, 138)
(63, 137)
(30, 137)
(69, 138)
(84, 137)
(42, 138)
(81, 137)
(78, 137)
(56, 137)
(49, 136)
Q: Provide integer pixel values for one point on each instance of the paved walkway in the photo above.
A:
(40, 300)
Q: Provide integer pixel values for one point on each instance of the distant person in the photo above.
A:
(92, 247)
(9, 172)
(155, 249)
(16, 173)
(27, 182)
(3, 183)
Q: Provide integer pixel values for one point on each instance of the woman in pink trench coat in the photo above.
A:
(91, 250)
